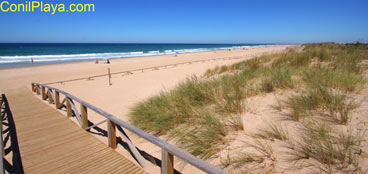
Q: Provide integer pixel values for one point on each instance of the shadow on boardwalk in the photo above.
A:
(101, 132)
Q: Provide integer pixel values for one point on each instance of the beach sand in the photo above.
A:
(126, 90)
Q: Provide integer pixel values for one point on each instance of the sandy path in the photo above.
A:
(125, 91)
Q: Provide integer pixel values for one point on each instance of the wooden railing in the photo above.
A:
(168, 151)
(8, 141)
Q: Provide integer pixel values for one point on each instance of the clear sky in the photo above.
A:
(193, 21)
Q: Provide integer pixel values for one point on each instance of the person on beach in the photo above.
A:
(31, 60)
(96, 62)
(108, 61)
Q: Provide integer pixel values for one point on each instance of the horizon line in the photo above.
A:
(258, 43)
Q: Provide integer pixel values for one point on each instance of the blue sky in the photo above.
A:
(193, 21)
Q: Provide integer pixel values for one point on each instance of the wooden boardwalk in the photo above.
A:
(51, 143)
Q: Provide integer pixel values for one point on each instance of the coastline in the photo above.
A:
(37, 64)
(126, 89)
(23, 76)
(60, 55)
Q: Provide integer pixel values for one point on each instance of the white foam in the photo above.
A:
(94, 56)
(140, 52)
(11, 61)
(168, 51)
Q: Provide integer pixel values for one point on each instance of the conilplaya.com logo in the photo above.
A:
(52, 8)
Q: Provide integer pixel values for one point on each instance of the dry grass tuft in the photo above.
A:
(331, 150)
(272, 132)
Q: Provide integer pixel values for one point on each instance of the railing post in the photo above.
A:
(69, 112)
(167, 162)
(33, 88)
(43, 92)
(2, 171)
(109, 77)
(84, 116)
(51, 100)
(111, 132)
(57, 100)
(37, 90)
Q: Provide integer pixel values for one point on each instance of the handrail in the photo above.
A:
(9, 133)
(168, 150)
(2, 155)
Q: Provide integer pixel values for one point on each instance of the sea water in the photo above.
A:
(28, 54)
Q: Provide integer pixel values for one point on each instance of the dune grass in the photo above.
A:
(200, 111)
(261, 161)
(199, 139)
(339, 79)
(321, 101)
(334, 150)
(272, 132)
(277, 78)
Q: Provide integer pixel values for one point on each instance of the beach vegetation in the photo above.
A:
(332, 150)
(323, 102)
(322, 79)
(272, 132)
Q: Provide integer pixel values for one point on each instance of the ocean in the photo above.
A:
(17, 55)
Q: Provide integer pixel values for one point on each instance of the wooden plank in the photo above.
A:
(200, 164)
(52, 96)
(134, 150)
(36, 125)
(167, 162)
(111, 130)
(57, 157)
(29, 138)
(2, 152)
(74, 109)
(37, 90)
(57, 100)
(62, 103)
(51, 143)
(84, 116)
(68, 108)
(64, 160)
(84, 159)
(51, 100)
(43, 92)
(59, 152)
(92, 126)
(33, 88)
